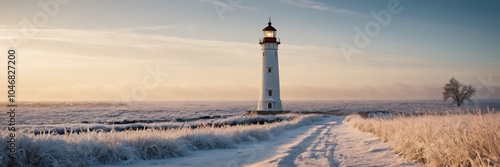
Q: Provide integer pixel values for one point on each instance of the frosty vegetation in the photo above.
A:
(229, 121)
(458, 92)
(439, 140)
(96, 148)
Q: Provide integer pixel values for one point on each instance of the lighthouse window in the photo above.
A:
(269, 105)
(270, 93)
(269, 69)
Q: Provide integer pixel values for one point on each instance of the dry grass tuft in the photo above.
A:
(439, 140)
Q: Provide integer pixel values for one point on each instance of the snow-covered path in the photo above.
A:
(315, 147)
(323, 143)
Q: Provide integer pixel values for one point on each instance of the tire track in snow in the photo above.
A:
(320, 153)
(334, 144)
(313, 148)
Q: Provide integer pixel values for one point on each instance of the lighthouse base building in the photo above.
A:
(269, 99)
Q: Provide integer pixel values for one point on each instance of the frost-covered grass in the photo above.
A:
(95, 148)
(440, 140)
(231, 121)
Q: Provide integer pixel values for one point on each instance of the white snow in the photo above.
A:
(323, 143)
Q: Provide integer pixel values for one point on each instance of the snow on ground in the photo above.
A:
(323, 143)
(356, 148)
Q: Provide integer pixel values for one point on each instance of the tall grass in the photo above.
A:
(440, 140)
(95, 148)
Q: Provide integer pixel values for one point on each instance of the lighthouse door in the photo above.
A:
(269, 105)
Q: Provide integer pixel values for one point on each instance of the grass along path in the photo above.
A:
(440, 140)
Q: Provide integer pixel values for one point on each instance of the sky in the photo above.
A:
(81, 50)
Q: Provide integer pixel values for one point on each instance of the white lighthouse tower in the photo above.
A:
(270, 100)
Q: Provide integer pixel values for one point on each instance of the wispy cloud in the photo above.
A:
(151, 28)
(6, 26)
(307, 4)
(154, 29)
(312, 4)
(228, 5)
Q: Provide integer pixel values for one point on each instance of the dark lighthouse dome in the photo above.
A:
(269, 27)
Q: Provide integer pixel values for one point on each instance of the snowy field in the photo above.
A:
(206, 134)
(129, 147)
(308, 140)
(322, 143)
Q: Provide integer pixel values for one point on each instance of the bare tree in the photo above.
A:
(458, 92)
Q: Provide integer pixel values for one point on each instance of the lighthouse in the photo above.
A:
(270, 100)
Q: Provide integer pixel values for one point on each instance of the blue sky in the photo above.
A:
(210, 47)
